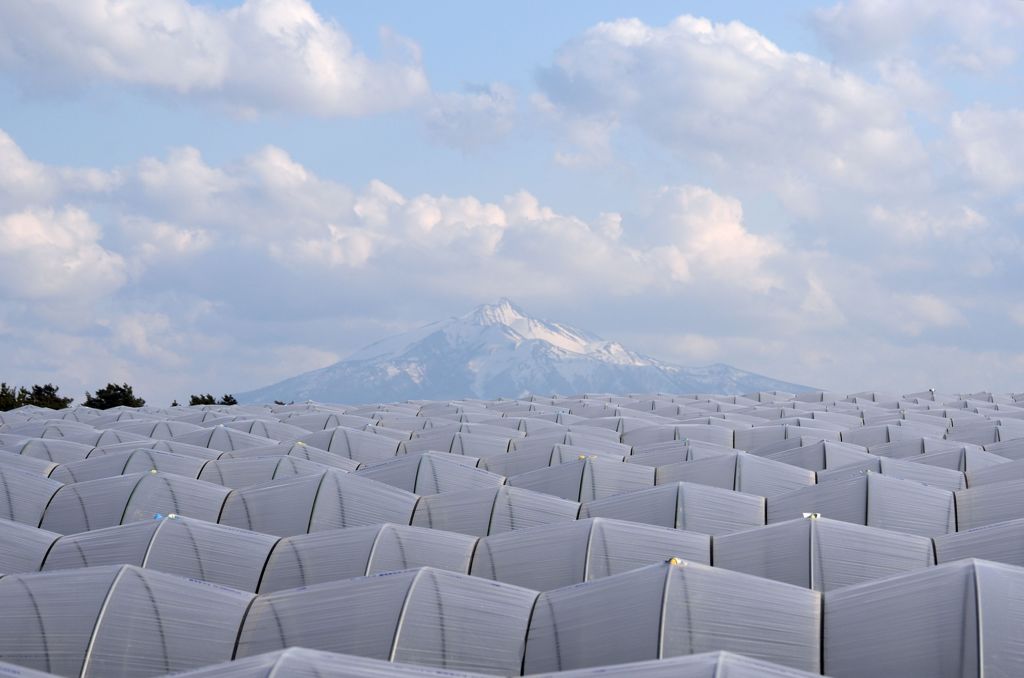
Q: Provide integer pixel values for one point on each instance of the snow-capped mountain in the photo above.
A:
(499, 351)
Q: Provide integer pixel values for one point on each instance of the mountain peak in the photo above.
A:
(499, 350)
(505, 312)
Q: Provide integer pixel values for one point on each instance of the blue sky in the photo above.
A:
(214, 196)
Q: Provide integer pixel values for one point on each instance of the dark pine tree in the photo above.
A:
(113, 395)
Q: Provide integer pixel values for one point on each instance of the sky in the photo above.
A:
(213, 196)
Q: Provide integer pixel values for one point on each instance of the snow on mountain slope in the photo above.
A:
(498, 350)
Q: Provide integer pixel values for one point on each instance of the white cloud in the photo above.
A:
(156, 241)
(473, 118)
(21, 179)
(260, 55)
(975, 35)
(147, 334)
(707, 230)
(49, 254)
(234, 249)
(26, 182)
(954, 222)
(819, 305)
(339, 247)
(724, 95)
(991, 145)
(920, 312)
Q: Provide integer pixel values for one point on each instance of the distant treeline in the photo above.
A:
(111, 395)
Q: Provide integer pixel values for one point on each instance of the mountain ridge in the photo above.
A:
(498, 350)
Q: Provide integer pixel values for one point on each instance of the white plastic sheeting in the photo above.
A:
(958, 620)
(24, 496)
(553, 556)
(331, 499)
(423, 616)
(116, 621)
(990, 503)
(122, 463)
(357, 445)
(221, 438)
(875, 500)
(298, 662)
(533, 456)
(22, 547)
(93, 504)
(255, 470)
(822, 554)
(739, 471)
(703, 665)
(321, 557)
(685, 506)
(586, 479)
(176, 545)
(674, 609)
(298, 450)
(1001, 542)
(432, 473)
(492, 511)
(291, 514)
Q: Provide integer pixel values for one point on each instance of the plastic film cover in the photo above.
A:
(667, 610)
(299, 662)
(215, 553)
(432, 473)
(840, 500)
(48, 619)
(1011, 470)
(221, 438)
(89, 505)
(549, 557)
(341, 554)
(253, 471)
(153, 623)
(278, 507)
(464, 623)
(822, 554)
(586, 479)
(686, 506)
(936, 476)
(987, 504)
(1002, 542)
(917, 624)
(346, 500)
(23, 547)
(15, 461)
(165, 493)
(482, 512)
(119, 545)
(357, 445)
(24, 496)
(299, 451)
(704, 665)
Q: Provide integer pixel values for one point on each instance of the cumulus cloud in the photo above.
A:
(958, 222)
(725, 95)
(258, 56)
(218, 251)
(156, 241)
(148, 335)
(51, 254)
(926, 311)
(24, 181)
(991, 145)
(707, 230)
(972, 35)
